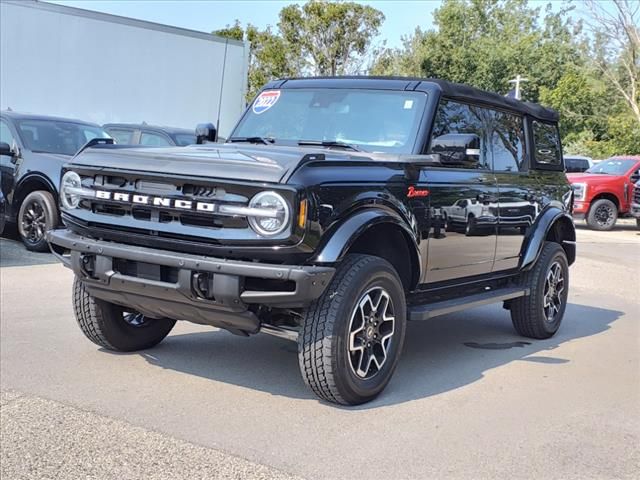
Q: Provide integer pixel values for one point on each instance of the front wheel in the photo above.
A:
(602, 215)
(352, 336)
(539, 314)
(638, 223)
(113, 327)
(37, 214)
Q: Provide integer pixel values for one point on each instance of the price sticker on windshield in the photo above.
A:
(265, 101)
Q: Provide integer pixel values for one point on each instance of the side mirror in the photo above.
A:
(206, 132)
(5, 149)
(458, 149)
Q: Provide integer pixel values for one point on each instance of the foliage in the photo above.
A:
(330, 38)
(319, 38)
(589, 73)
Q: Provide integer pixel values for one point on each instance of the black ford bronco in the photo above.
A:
(338, 210)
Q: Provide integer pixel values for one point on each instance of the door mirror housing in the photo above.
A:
(5, 149)
(458, 149)
(206, 132)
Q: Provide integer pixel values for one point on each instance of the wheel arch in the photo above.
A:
(361, 233)
(606, 196)
(554, 225)
(31, 183)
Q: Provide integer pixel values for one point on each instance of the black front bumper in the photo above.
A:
(176, 292)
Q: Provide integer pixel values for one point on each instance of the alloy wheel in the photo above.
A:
(33, 223)
(371, 330)
(553, 290)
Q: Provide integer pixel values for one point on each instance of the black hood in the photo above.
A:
(263, 163)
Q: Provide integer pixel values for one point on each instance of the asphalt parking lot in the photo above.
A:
(470, 399)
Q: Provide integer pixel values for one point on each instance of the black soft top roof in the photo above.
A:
(449, 89)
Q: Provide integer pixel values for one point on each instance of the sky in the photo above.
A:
(402, 16)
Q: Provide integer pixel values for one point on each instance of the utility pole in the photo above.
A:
(519, 79)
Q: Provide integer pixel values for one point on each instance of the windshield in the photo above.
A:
(371, 120)
(184, 139)
(52, 136)
(612, 167)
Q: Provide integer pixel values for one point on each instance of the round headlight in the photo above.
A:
(272, 213)
(70, 180)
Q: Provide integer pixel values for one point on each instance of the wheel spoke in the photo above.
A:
(371, 330)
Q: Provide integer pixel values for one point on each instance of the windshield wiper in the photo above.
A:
(263, 140)
(329, 143)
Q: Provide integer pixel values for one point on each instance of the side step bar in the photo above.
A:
(430, 310)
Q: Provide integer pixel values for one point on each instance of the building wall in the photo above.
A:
(69, 62)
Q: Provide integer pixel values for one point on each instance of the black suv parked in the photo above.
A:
(33, 149)
(150, 135)
(327, 218)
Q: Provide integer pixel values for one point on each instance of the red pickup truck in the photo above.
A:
(605, 191)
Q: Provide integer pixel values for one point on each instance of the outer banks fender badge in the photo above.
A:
(265, 101)
(413, 192)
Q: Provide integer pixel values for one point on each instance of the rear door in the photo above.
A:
(467, 245)
(517, 208)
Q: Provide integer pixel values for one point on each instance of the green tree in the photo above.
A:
(617, 47)
(330, 38)
(319, 38)
(269, 55)
(487, 42)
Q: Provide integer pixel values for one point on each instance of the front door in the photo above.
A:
(462, 238)
(462, 197)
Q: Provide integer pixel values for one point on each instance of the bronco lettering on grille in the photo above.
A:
(156, 201)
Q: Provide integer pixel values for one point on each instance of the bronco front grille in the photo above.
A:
(636, 194)
(163, 202)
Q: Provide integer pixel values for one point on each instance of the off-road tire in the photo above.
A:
(638, 223)
(103, 323)
(527, 313)
(46, 204)
(592, 220)
(323, 341)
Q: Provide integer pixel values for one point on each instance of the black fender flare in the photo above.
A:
(41, 178)
(12, 205)
(344, 235)
(535, 241)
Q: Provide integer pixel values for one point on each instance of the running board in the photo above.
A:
(430, 310)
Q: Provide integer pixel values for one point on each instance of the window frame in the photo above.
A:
(169, 140)
(131, 131)
(534, 164)
(526, 160)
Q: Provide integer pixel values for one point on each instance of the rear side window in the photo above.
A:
(547, 150)
(121, 136)
(153, 140)
(507, 142)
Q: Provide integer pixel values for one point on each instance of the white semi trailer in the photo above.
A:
(70, 62)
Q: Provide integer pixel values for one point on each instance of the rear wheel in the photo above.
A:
(638, 223)
(37, 214)
(602, 215)
(352, 335)
(539, 314)
(113, 327)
